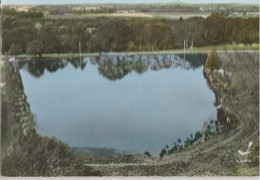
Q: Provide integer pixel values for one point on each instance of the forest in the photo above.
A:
(32, 33)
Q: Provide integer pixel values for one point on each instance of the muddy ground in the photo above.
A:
(218, 155)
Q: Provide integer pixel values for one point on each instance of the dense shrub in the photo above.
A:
(223, 114)
(212, 61)
(147, 154)
(34, 155)
(163, 153)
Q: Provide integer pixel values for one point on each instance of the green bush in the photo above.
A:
(147, 154)
(222, 115)
(42, 156)
(212, 61)
(163, 153)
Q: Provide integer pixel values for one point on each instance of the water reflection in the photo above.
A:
(115, 67)
(159, 98)
(78, 63)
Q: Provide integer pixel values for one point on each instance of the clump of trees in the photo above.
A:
(210, 128)
(153, 35)
(42, 35)
(32, 33)
(110, 35)
(223, 30)
(191, 30)
(212, 61)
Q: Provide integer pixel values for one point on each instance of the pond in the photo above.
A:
(128, 104)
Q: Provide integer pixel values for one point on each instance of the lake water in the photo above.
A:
(127, 103)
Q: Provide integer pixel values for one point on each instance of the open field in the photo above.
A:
(180, 14)
(166, 15)
(128, 15)
(82, 16)
(230, 9)
(131, 15)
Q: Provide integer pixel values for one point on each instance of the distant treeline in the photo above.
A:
(145, 8)
(32, 33)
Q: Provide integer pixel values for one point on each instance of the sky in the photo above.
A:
(122, 1)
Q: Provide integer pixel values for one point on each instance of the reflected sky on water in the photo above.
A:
(132, 103)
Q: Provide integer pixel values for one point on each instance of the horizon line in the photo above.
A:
(193, 3)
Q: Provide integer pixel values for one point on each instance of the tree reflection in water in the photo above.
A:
(36, 68)
(54, 65)
(115, 67)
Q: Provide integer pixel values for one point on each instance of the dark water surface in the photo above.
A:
(132, 103)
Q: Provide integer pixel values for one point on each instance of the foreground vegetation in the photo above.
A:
(23, 151)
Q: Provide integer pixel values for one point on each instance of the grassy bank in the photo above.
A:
(204, 49)
(23, 151)
(226, 47)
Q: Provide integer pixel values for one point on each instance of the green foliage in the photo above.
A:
(41, 35)
(35, 47)
(212, 61)
(198, 135)
(147, 154)
(222, 115)
(246, 169)
(64, 35)
(173, 149)
(111, 35)
(222, 30)
(152, 35)
(163, 153)
(254, 155)
(191, 30)
(43, 156)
